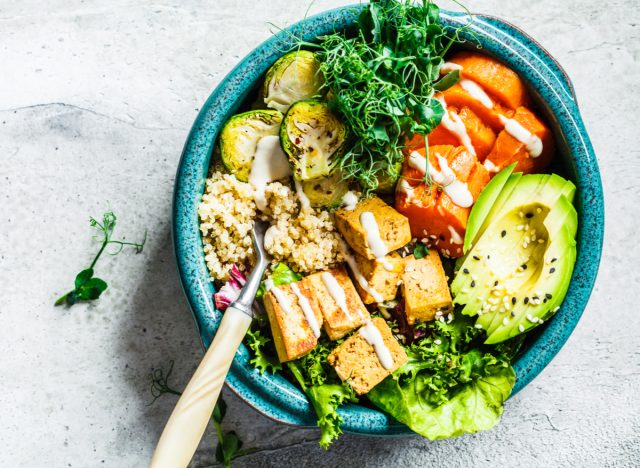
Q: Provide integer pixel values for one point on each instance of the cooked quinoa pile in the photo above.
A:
(305, 239)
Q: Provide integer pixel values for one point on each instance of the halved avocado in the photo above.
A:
(520, 264)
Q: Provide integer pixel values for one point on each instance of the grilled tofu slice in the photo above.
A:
(341, 306)
(393, 227)
(358, 362)
(383, 277)
(295, 319)
(425, 288)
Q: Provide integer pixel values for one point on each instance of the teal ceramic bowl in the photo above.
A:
(273, 395)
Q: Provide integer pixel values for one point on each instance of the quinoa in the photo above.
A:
(305, 239)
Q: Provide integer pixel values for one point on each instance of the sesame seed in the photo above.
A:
(473, 284)
(521, 328)
(555, 309)
(493, 300)
(465, 271)
(540, 241)
(540, 321)
(526, 300)
(553, 259)
(478, 326)
(495, 283)
(513, 300)
(438, 341)
(529, 215)
(538, 210)
(488, 256)
(494, 308)
(552, 270)
(545, 300)
(521, 214)
(520, 227)
(548, 296)
(505, 321)
(523, 266)
(502, 311)
(438, 313)
(530, 318)
(464, 290)
(503, 233)
(513, 314)
(475, 257)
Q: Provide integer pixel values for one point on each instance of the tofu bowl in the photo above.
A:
(272, 394)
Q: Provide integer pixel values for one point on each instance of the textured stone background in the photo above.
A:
(96, 99)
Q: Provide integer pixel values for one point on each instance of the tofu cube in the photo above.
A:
(357, 361)
(380, 279)
(293, 336)
(341, 306)
(393, 227)
(424, 288)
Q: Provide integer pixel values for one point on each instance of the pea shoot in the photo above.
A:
(88, 287)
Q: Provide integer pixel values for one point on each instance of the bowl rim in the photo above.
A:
(275, 397)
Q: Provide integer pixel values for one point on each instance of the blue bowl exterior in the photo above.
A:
(273, 395)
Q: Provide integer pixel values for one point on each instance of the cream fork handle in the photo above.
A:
(189, 419)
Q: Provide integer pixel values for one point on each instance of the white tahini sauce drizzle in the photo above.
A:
(374, 241)
(489, 166)
(455, 125)
(307, 309)
(282, 299)
(476, 92)
(456, 190)
(269, 164)
(517, 131)
(455, 237)
(350, 200)
(449, 67)
(372, 335)
(405, 187)
(336, 292)
(305, 204)
(353, 266)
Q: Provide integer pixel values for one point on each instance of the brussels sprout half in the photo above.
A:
(387, 182)
(293, 77)
(239, 139)
(326, 191)
(313, 137)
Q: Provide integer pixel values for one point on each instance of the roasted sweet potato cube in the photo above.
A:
(393, 227)
(424, 288)
(357, 362)
(293, 335)
(341, 306)
(382, 277)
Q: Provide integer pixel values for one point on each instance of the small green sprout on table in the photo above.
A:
(88, 287)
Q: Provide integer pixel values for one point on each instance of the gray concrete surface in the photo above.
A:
(96, 99)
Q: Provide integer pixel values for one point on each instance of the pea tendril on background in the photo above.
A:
(88, 287)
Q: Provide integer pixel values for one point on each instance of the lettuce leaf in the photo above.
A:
(280, 275)
(451, 384)
(475, 407)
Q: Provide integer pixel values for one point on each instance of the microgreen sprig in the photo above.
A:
(88, 287)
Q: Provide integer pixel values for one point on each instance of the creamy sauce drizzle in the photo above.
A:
(455, 125)
(372, 335)
(336, 292)
(455, 237)
(374, 241)
(307, 309)
(456, 190)
(489, 166)
(353, 266)
(269, 164)
(476, 92)
(517, 131)
(405, 187)
(279, 295)
(305, 204)
(449, 67)
(350, 200)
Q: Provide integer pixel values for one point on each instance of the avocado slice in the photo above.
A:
(522, 254)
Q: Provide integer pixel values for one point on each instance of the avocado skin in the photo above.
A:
(510, 279)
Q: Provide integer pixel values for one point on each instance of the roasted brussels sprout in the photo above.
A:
(313, 138)
(239, 139)
(293, 77)
(387, 182)
(325, 191)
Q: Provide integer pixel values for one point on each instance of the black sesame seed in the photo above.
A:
(445, 308)
(475, 257)
(495, 283)
(553, 259)
(488, 257)
(513, 314)
(513, 300)
(552, 270)
(465, 271)
(503, 233)
(529, 215)
(523, 266)
(548, 296)
(526, 300)
(441, 237)
(473, 284)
